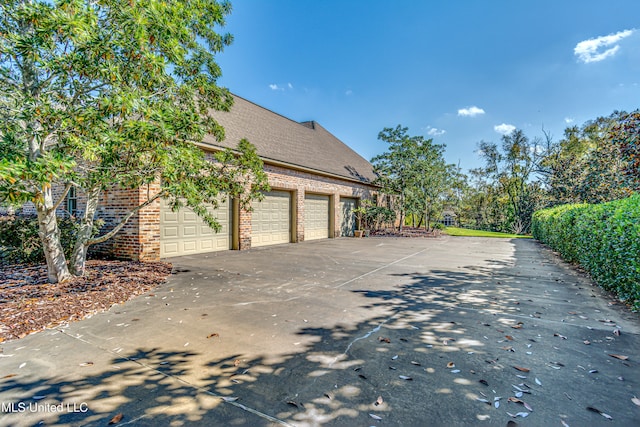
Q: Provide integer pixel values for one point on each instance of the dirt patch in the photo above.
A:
(29, 304)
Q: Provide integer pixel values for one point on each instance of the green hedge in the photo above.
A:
(603, 238)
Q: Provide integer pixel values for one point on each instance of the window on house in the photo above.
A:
(72, 202)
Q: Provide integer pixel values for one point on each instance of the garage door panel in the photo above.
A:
(270, 220)
(347, 216)
(185, 233)
(316, 217)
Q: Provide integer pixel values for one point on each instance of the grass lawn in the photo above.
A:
(455, 231)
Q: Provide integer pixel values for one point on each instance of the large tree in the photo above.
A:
(111, 93)
(596, 162)
(509, 170)
(414, 169)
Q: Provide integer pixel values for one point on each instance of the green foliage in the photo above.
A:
(438, 226)
(372, 217)
(414, 168)
(603, 238)
(114, 94)
(21, 244)
(596, 162)
(505, 193)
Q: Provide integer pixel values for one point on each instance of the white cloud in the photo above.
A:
(348, 92)
(435, 132)
(568, 120)
(274, 86)
(470, 111)
(591, 50)
(504, 128)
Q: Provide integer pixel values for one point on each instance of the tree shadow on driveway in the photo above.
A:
(444, 348)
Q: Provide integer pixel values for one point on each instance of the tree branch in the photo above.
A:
(124, 220)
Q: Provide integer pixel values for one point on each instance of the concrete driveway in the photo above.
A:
(377, 331)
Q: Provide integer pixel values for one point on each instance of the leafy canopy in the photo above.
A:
(113, 93)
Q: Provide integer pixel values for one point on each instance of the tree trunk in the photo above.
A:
(49, 233)
(81, 246)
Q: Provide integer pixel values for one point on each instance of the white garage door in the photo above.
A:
(270, 219)
(184, 233)
(347, 216)
(316, 217)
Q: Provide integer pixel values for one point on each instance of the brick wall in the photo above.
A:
(139, 239)
(300, 183)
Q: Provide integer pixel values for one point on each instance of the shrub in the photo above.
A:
(603, 238)
(20, 242)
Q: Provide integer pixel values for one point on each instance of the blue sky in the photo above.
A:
(456, 71)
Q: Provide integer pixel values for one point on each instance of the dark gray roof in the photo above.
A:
(305, 145)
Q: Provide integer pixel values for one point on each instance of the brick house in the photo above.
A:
(316, 182)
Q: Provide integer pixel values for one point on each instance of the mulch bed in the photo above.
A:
(406, 232)
(28, 303)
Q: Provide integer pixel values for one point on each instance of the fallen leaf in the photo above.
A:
(384, 339)
(515, 400)
(455, 371)
(617, 332)
(237, 362)
(415, 363)
(230, 398)
(292, 403)
(521, 369)
(508, 348)
(451, 365)
(394, 357)
(518, 326)
(564, 424)
(560, 336)
(619, 356)
(483, 401)
(379, 401)
(635, 400)
(213, 335)
(509, 337)
(9, 376)
(598, 411)
(406, 378)
(375, 417)
(522, 414)
(538, 382)
(484, 382)
(116, 418)
(86, 364)
(593, 371)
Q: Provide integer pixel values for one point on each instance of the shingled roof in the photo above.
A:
(305, 145)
